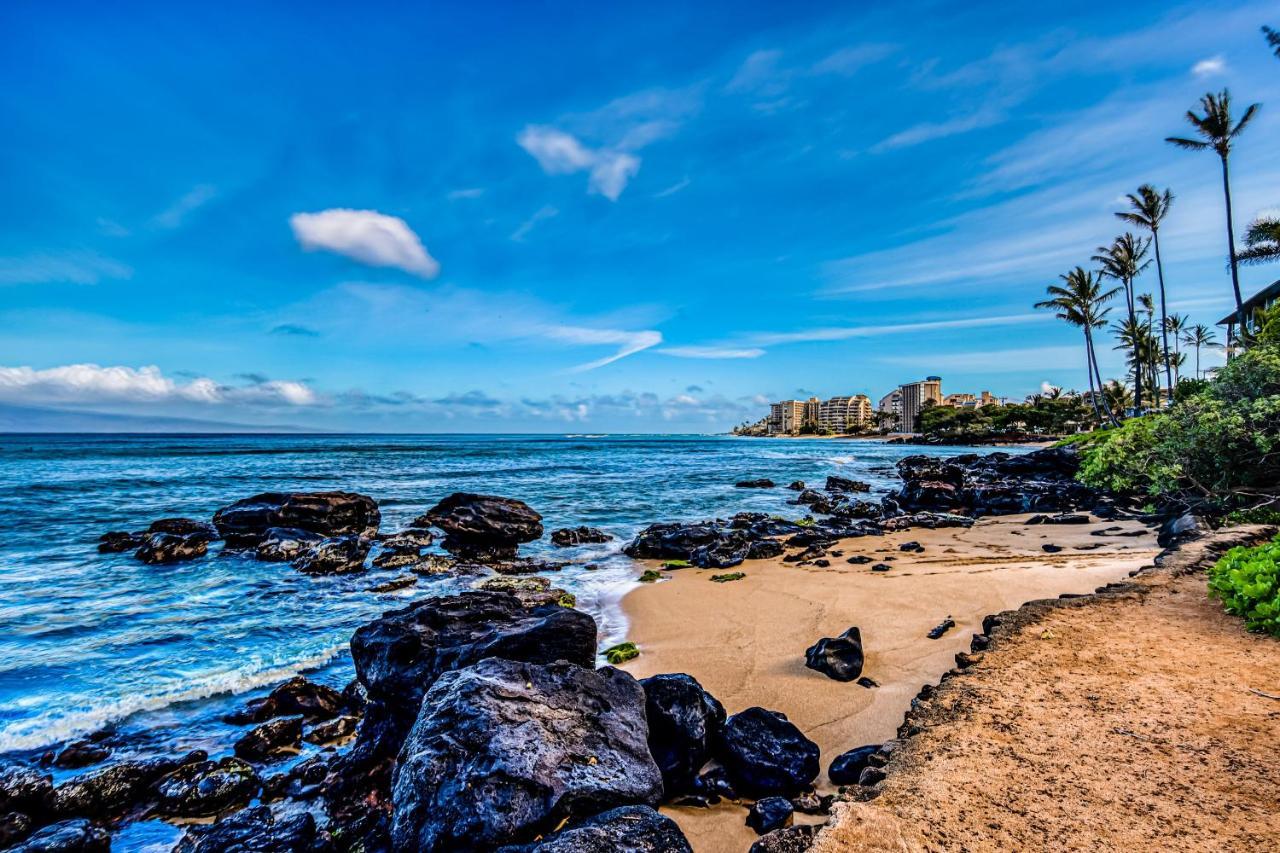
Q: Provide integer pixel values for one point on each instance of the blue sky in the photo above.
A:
(588, 217)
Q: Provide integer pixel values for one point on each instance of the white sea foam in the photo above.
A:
(57, 725)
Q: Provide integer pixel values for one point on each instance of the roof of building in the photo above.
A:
(1268, 294)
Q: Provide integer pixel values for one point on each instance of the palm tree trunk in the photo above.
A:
(1197, 359)
(1093, 359)
(1164, 317)
(1088, 372)
(1231, 243)
(1137, 359)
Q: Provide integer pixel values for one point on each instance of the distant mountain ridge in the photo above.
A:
(15, 419)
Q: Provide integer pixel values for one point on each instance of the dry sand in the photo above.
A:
(745, 640)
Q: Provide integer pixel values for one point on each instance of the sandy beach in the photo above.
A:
(745, 640)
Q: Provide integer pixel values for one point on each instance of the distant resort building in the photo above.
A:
(836, 415)
(845, 414)
(891, 405)
(899, 409)
(915, 395)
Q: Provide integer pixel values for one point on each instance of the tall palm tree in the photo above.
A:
(1273, 39)
(1124, 260)
(1262, 241)
(1217, 130)
(1150, 207)
(1150, 348)
(1079, 301)
(1174, 326)
(1199, 336)
(1116, 395)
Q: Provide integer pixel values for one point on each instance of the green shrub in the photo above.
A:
(1247, 580)
(731, 576)
(621, 653)
(650, 576)
(1132, 459)
(1253, 515)
(676, 564)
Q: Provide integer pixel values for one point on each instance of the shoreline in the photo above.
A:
(745, 640)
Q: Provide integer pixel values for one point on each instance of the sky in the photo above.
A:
(574, 217)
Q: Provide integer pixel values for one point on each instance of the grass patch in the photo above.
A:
(621, 653)
(731, 576)
(677, 564)
(650, 576)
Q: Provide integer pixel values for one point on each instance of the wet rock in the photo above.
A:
(816, 501)
(715, 785)
(839, 658)
(858, 510)
(844, 484)
(252, 830)
(755, 484)
(339, 728)
(524, 566)
(159, 548)
(859, 559)
(393, 557)
(627, 829)
(1180, 529)
(547, 742)
(410, 537)
(206, 788)
(533, 591)
(14, 827)
(245, 522)
(765, 754)
(286, 544)
(568, 536)
(1050, 548)
(24, 789)
(793, 839)
(704, 544)
(79, 754)
(797, 486)
(185, 527)
(941, 628)
(770, 813)
(340, 555)
(1067, 518)
(400, 655)
(847, 766)
(113, 790)
(684, 723)
(271, 739)
(911, 547)
(297, 696)
(397, 583)
(119, 541)
(68, 836)
(483, 525)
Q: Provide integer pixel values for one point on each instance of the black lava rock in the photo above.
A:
(271, 739)
(847, 766)
(252, 830)
(286, 544)
(764, 754)
(684, 723)
(755, 484)
(206, 788)
(770, 813)
(482, 526)
(569, 536)
(68, 836)
(245, 522)
(627, 829)
(171, 548)
(338, 555)
(793, 839)
(844, 484)
(839, 657)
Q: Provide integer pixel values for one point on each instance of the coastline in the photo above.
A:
(745, 640)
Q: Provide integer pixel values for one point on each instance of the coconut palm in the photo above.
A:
(1217, 130)
(1151, 354)
(1273, 39)
(1079, 301)
(1116, 395)
(1174, 326)
(1262, 241)
(1124, 260)
(1199, 336)
(1150, 207)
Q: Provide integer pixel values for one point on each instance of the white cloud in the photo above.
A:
(367, 236)
(674, 188)
(198, 197)
(841, 333)
(1210, 67)
(629, 343)
(91, 383)
(77, 267)
(758, 73)
(469, 192)
(929, 131)
(712, 352)
(560, 153)
(543, 213)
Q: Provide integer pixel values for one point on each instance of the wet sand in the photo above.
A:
(745, 640)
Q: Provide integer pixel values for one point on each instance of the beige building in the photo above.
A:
(891, 404)
(914, 397)
(787, 417)
(845, 414)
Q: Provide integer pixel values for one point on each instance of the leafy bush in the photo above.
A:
(1247, 580)
(1133, 458)
(1254, 515)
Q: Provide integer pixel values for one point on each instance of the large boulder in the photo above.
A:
(569, 536)
(840, 658)
(399, 656)
(684, 724)
(626, 829)
(206, 788)
(765, 754)
(338, 555)
(286, 544)
(704, 544)
(184, 527)
(68, 836)
(252, 830)
(483, 525)
(107, 793)
(172, 547)
(271, 739)
(245, 522)
(505, 750)
(298, 696)
(24, 789)
(992, 484)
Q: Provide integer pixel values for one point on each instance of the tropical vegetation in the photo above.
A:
(1247, 581)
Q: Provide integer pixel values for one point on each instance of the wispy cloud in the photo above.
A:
(931, 130)
(191, 201)
(560, 153)
(712, 352)
(842, 333)
(73, 267)
(628, 343)
(541, 215)
(1210, 67)
(469, 192)
(93, 384)
(366, 236)
(295, 330)
(674, 188)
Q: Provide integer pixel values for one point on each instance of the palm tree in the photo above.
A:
(1124, 261)
(1262, 241)
(1217, 129)
(1150, 348)
(1150, 207)
(1116, 395)
(1078, 301)
(1273, 39)
(1199, 336)
(1174, 326)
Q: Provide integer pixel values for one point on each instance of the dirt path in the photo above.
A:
(1130, 721)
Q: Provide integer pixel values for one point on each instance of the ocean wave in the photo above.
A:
(54, 726)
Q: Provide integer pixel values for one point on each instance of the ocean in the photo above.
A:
(159, 652)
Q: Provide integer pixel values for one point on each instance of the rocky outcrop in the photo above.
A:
(185, 527)
(532, 590)
(252, 830)
(24, 789)
(566, 537)
(286, 544)
(483, 526)
(339, 555)
(245, 522)
(271, 739)
(839, 658)
(993, 484)
(844, 484)
(108, 793)
(685, 722)
(399, 656)
(172, 548)
(764, 754)
(206, 788)
(504, 751)
(297, 696)
(761, 483)
(68, 836)
(626, 829)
